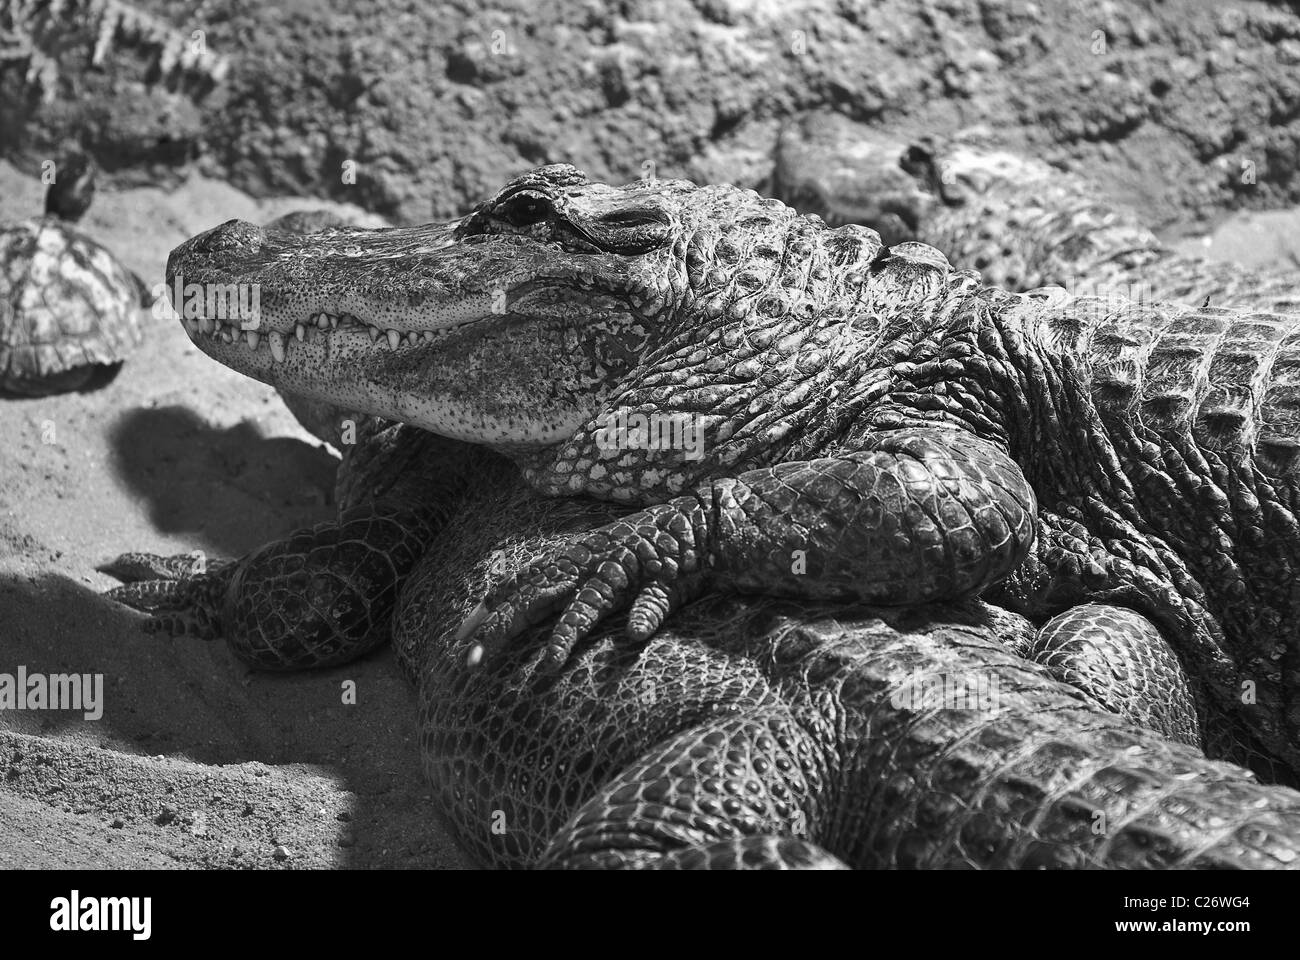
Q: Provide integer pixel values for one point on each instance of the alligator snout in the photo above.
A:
(206, 257)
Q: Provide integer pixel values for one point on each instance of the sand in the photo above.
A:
(196, 761)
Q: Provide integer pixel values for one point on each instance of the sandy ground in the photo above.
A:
(197, 762)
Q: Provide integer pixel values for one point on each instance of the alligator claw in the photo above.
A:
(137, 567)
(645, 564)
(530, 597)
(170, 589)
(475, 620)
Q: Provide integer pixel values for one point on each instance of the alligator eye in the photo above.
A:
(524, 209)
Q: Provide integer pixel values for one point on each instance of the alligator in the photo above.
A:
(764, 733)
(1020, 221)
(880, 428)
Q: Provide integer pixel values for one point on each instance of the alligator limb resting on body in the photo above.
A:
(875, 424)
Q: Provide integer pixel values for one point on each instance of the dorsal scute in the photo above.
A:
(1278, 436)
(1119, 349)
(1237, 381)
(1178, 366)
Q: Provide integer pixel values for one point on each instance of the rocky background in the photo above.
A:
(199, 112)
(1185, 107)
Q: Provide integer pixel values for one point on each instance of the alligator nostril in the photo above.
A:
(210, 251)
(231, 235)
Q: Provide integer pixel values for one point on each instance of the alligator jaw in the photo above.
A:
(485, 339)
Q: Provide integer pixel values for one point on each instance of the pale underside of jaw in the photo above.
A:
(277, 343)
(341, 360)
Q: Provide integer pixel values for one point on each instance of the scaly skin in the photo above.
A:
(771, 734)
(1021, 222)
(766, 734)
(878, 426)
(1025, 224)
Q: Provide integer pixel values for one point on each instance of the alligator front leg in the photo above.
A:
(321, 597)
(324, 595)
(922, 515)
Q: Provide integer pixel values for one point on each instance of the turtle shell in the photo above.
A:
(68, 308)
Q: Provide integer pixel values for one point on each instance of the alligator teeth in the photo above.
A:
(394, 338)
(334, 321)
(192, 326)
(205, 325)
(429, 336)
(276, 340)
(254, 338)
(299, 331)
(413, 337)
(374, 334)
(227, 336)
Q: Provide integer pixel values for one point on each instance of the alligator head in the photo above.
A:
(504, 328)
(1020, 221)
(848, 172)
(555, 304)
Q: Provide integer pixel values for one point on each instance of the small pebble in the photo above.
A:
(281, 852)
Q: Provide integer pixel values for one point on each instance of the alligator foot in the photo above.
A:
(816, 529)
(174, 590)
(648, 561)
(321, 597)
(133, 568)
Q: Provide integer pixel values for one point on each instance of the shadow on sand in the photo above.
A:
(233, 489)
(190, 700)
